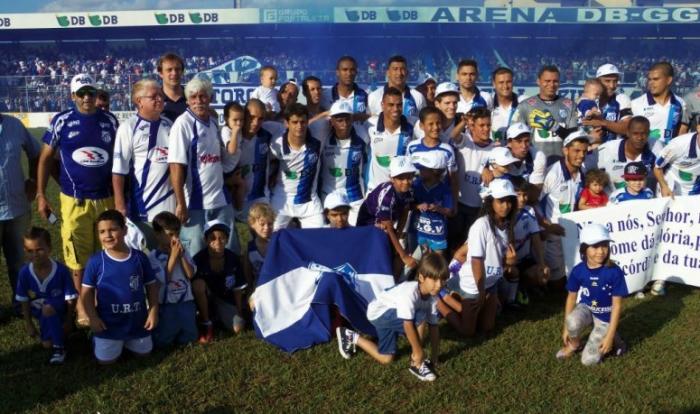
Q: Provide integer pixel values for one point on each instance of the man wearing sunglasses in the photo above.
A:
(83, 138)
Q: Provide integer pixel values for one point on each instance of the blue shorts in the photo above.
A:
(389, 327)
(176, 324)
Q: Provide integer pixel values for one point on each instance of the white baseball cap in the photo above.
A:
(594, 233)
(516, 130)
(337, 198)
(446, 87)
(499, 188)
(340, 108)
(216, 225)
(401, 165)
(577, 135)
(502, 156)
(80, 81)
(436, 160)
(425, 77)
(607, 69)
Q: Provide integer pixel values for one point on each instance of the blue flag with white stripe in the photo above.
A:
(307, 271)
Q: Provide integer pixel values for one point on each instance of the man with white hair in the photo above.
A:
(196, 172)
(83, 136)
(141, 156)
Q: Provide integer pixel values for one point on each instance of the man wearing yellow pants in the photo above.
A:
(83, 137)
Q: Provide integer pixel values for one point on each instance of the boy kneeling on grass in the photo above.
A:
(400, 310)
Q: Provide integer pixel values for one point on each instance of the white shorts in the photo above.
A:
(310, 214)
(108, 350)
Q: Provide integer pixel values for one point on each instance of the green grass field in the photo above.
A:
(513, 372)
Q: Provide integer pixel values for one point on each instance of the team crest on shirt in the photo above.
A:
(134, 282)
(356, 156)
(361, 107)
(563, 113)
(313, 158)
(106, 136)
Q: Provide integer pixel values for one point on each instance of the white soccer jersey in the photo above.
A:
(504, 116)
(230, 161)
(560, 192)
(665, 120)
(481, 99)
(195, 143)
(471, 160)
(357, 98)
(406, 299)
(681, 156)
(533, 167)
(383, 146)
(298, 170)
(417, 146)
(616, 109)
(526, 227)
(141, 153)
(268, 96)
(342, 164)
(489, 244)
(413, 102)
(612, 159)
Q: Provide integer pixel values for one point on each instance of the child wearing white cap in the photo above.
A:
(600, 286)
(336, 208)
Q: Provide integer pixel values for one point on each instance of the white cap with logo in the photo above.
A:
(502, 156)
(80, 81)
(337, 198)
(594, 233)
(401, 165)
(516, 130)
(607, 69)
(340, 108)
(499, 188)
(446, 87)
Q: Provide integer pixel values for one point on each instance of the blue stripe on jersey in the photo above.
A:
(356, 154)
(259, 167)
(138, 209)
(196, 194)
(611, 112)
(312, 155)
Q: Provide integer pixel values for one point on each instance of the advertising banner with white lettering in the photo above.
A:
(655, 239)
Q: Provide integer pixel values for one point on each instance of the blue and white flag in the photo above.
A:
(307, 271)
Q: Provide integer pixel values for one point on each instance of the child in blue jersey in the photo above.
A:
(45, 290)
(113, 293)
(336, 208)
(635, 184)
(433, 201)
(174, 269)
(600, 285)
(261, 219)
(400, 310)
(219, 279)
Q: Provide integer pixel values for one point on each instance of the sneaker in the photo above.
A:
(640, 295)
(206, 333)
(423, 372)
(658, 288)
(58, 355)
(346, 345)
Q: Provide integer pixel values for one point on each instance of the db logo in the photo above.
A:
(399, 15)
(90, 156)
(361, 15)
(5, 22)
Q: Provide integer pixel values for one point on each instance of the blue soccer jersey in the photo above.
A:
(416, 147)
(55, 289)
(596, 287)
(431, 226)
(342, 163)
(121, 300)
(620, 195)
(298, 170)
(84, 143)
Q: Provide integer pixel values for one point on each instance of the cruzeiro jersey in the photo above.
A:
(616, 109)
(612, 160)
(622, 195)
(120, 285)
(502, 118)
(84, 143)
(561, 191)
(413, 102)
(254, 164)
(680, 158)
(141, 152)
(342, 163)
(383, 146)
(480, 100)
(416, 147)
(298, 169)
(544, 118)
(56, 287)
(357, 98)
(196, 144)
(664, 120)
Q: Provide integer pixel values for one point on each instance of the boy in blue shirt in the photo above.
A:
(174, 268)
(45, 290)
(635, 184)
(113, 293)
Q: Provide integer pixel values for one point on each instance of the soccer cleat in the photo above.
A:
(423, 372)
(206, 333)
(658, 288)
(58, 355)
(346, 346)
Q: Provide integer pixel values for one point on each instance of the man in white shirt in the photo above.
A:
(396, 75)
(469, 94)
(346, 89)
(505, 104)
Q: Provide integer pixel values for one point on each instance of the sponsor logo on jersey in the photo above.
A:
(158, 155)
(209, 158)
(105, 125)
(90, 156)
(73, 134)
(73, 123)
(618, 167)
